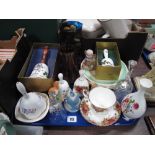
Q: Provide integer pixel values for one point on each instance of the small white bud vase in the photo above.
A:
(63, 86)
(134, 104)
(81, 84)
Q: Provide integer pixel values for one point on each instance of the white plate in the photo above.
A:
(21, 118)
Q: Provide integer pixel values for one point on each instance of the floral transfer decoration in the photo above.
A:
(129, 105)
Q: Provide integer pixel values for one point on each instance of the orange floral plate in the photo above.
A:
(107, 117)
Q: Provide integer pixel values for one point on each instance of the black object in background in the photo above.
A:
(130, 48)
(8, 78)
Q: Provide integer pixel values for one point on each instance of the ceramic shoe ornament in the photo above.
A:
(134, 104)
(81, 84)
(63, 86)
(89, 62)
(31, 105)
(72, 102)
(106, 61)
(41, 69)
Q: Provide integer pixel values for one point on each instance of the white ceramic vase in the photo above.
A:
(134, 104)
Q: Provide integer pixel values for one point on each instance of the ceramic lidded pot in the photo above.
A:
(134, 104)
(81, 84)
(32, 104)
(63, 86)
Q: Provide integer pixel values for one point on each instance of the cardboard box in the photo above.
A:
(107, 72)
(39, 84)
(8, 48)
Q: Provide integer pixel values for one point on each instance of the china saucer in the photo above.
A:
(107, 83)
(22, 118)
(105, 118)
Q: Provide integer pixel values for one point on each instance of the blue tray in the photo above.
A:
(73, 119)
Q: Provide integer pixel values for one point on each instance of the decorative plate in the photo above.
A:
(105, 118)
(107, 83)
(22, 118)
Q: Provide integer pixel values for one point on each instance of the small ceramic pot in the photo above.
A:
(100, 98)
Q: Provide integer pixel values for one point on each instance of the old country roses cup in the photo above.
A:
(101, 98)
(100, 107)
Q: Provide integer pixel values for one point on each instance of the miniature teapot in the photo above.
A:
(72, 102)
(31, 104)
(134, 104)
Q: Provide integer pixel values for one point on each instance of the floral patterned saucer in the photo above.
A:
(105, 118)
